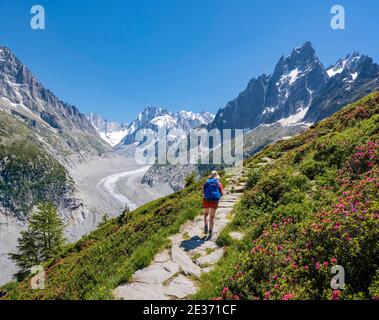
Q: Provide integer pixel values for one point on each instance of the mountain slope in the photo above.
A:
(64, 130)
(289, 181)
(29, 175)
(41, 138)
(106, 258)
(311, 203)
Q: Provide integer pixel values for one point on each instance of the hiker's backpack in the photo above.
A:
(212, 190)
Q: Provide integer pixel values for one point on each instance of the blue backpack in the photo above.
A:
(212, 190)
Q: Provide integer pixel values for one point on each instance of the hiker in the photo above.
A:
(213, 192)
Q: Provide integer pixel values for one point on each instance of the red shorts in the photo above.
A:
(210, 204)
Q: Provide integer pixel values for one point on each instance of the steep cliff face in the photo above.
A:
(300, 89)
(290, 90)
(61, 126)
(30, 175)
(349, 80)
(40, 137)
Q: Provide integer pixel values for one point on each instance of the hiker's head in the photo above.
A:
(214, 175)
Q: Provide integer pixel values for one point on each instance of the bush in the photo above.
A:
(312, 168)
(274, 184)
(290, 257)
(253, 177)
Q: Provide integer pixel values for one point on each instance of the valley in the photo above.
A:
(110, 184)
(106, 186)
(319, 188)
(85, 165)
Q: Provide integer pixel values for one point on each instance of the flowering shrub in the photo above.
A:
(364, 159)
(291, 257)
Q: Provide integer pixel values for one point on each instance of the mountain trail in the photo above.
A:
(173, 273)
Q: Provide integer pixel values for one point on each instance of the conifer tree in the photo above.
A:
(41, 240)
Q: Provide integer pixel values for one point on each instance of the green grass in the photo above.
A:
(106, 258)
(210, 283)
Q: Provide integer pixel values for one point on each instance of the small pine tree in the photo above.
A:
(42, 239)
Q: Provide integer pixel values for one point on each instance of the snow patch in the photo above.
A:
(113, 138)
(268, 110)
(165, 120)
(289, 78)
(295, 118)
(337, 69)
(341, 65)
(333, 71)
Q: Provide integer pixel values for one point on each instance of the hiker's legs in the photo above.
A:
(212, 213)
(206, 214)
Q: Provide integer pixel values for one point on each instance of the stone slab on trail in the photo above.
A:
(202, 249)
(227, 204)
(164, 256)
(211, 258)
(167, 277)
(141, 291)
(181, 287)
(184, 261)
(156, 273)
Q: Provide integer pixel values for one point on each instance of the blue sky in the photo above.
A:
(115, 57)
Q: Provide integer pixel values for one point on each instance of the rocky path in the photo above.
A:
(173, 273)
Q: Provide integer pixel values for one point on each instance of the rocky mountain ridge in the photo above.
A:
(299, 90)
(299, 93)
(151, 118)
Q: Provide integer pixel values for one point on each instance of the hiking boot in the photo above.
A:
(206, 229)
(210, 234)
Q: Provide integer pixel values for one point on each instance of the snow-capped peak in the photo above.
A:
(152, 118)
(164, 121)
(110, 131)
(349, 63)
(113, 137)
(336, 69)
